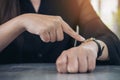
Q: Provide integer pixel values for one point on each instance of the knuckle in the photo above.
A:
(71, 51)
(91, 53)
(57, 62)
(60, 62)
(53, 40)
(45, 40)
(81, 53)
(64, 52)
(91, 68)
(59, 17)
(60, 38)
(72, 70)
(82, 48)
(86, 50)
(57, 20)
(52, 25)
(43, 31)
(82, 70)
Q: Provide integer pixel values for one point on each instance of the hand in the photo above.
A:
(49, 28)
(78, 59)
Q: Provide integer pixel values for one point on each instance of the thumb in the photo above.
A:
(67, 29)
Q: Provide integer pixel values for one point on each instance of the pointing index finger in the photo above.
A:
(67, 29)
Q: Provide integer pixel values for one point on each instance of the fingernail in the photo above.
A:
(82, 38)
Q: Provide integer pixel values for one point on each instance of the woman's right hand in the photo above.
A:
(49, 28)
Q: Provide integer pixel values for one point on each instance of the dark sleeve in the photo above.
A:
(11, 54)
(91, 26)
(8, 54)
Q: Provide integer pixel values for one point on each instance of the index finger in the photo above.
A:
(67, 29)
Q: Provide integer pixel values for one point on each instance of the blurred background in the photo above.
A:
(109, 12)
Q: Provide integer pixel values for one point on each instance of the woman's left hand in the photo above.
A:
(78, 59)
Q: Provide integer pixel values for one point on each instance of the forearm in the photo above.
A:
(41, 25)
(113, 45)
(9, 31)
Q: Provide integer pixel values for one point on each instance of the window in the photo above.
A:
(107, 10)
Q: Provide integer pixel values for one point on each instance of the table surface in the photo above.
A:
(48, 72)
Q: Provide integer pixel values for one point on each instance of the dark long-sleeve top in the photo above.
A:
(30, 48)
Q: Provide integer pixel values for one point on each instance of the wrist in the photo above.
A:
(19, 22)
(89, 47)
(97, 46)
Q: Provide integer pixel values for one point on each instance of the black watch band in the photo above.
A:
(100, 50)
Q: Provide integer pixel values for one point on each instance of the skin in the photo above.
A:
(81, 58)
(74, 60)
(36, 4)
(45, 28)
